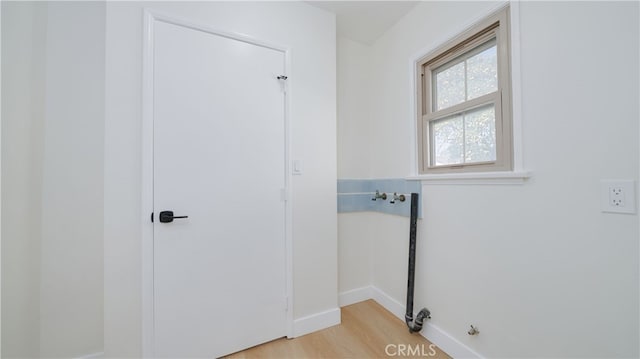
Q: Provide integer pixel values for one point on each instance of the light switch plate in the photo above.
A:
(618, 196)
(297, 168)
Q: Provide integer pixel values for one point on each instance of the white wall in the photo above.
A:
(0, 187)
(71, 306)
(537, 267)
(310, 34)
(23, 63)
(355, 266)
(53, 120)
(353, 79)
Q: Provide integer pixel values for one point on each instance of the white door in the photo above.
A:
(219, 158)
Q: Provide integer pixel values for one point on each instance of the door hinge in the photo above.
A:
(286, 304)
(283, 195)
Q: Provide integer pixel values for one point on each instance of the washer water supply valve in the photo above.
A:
(378, 195)
(397, 197)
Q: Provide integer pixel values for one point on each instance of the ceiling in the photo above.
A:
(365, 21)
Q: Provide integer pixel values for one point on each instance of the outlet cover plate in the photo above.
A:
(618, 196)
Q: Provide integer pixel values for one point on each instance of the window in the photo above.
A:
(464, 102)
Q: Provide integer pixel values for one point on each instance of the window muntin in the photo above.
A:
(468, 137)
(467, 77)
(464, 102)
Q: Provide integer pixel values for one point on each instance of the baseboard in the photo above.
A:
(432, 333)
(315, 322)
(447, 343)
(92, 356)
(390, 304)
(355, 296)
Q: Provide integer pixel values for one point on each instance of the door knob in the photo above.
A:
(167, 217)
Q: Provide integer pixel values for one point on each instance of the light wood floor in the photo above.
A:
(366, 330)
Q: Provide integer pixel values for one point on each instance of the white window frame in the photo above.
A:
(496, 25)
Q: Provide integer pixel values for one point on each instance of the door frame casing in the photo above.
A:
(150, 17)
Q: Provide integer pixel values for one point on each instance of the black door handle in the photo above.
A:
(167, 217)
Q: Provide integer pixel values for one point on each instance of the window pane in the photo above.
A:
(482, 73)
(450, 86)
(447, 141)
(480, 135)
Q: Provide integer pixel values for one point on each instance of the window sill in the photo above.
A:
(471, 178)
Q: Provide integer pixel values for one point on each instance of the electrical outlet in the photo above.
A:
(618, 196)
